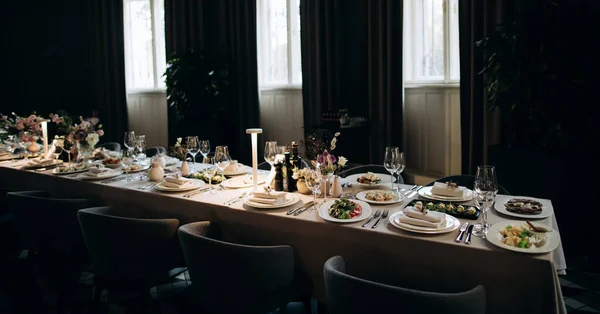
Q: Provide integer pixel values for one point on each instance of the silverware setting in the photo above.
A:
(406, 192)
(463, 228)
(469, 232)
(291, 211)
(148, 186)
(197, 191)
(415, 192)
(235, 199)
(376, 215)
(383, 216)
(300, 211)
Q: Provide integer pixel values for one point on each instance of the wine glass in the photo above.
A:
(391, 162)
(129, 142)
(313, 182)
(485, 190)
(139, 150)
(193, 148)
(401, 166)
(209, 171)
(69, 148)
(141, 146)
(205, 148)
(57, 150)
(270, 152)
(222, 158)
(326, 173)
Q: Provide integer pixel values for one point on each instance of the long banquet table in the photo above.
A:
(514, 282)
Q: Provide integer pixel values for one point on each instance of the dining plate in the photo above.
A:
(324, 212)
(102, 176)
(291, 198)
(502, 199)
(8, 157)
(396, 197)
(61, 173)
(143, 168)
(55, 162)
(242, 181)
(495, 237)
(240, 171)
(426, 193)
(385, 179)
(195, 184)
(452, 224)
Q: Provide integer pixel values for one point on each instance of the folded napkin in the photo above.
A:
(263, 200)
(176, 180)
(430, 216)
(419, 222)
(441, 188)
(175, 183)
(172, 169)
(38, 162)
(97, 172)
(234, 166)
(270, 195)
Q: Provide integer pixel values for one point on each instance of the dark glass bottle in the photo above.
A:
(289, 184)
(295, 158)
(278, 185)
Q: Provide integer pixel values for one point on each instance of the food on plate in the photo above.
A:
(369, 178)
(446, 208)
(216, 179)
(522, 237)
(72, 168)
(111, 161)
(134, 167)
(524, 206)
(379, 196)
(345, 209)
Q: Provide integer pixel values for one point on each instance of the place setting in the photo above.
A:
(420, 220)
(179, 184)
(269, 199)
(446, 191)
(98, 173)
(41, 163)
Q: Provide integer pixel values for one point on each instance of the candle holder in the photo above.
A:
(253, 136)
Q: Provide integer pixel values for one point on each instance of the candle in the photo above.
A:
(253, 135)
(44, 125)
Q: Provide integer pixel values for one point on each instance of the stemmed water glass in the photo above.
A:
(222, 158)
(129, 142)
(401, 166)
(485, 190)
(271, 158)
(313, 182)
(69, 148)
(205, 148)
(326, 174)
(391, 162)
(193, 148)
(209, 171)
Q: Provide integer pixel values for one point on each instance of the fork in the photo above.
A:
(235, 199)
(377, 214)
(383, 216)
(149, 186)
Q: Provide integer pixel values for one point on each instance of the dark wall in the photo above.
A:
(45, 57)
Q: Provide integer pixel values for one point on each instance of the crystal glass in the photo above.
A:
(129, 142)
(222, 158)
(485, 190)
(391, 162)
(270, 152)
(57, 150)
(141, 146)
(204, 148)
(192, 144)
(313, 182)
(209, 171)
(69, 147)
(280, 153)
(401, 166)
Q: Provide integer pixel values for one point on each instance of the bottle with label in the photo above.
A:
(295, 158)
(278, 182)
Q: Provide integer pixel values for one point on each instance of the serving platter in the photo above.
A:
(453, 213)
(397, 198)
(502, 199)
(385, 179)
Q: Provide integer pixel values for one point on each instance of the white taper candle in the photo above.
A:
(44, 125)
(253, 135)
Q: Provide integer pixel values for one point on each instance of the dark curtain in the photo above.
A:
(108, 67)
(226, 28)
(386, 89)
(352, 59)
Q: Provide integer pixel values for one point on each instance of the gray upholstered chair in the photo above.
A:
(113, 146)
(370, 168)
(342, 290)
(155, 150)
(130, 252)
(236, 278)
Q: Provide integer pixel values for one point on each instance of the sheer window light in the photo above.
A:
(145, 59)
(278, 34)
(431, 40)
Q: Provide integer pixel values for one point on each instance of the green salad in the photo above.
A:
(216, 179)
(344, 209)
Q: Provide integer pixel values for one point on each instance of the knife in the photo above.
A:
(414, 192)
(303, 209)
(469, 232)
(463, 228)
(291, 211)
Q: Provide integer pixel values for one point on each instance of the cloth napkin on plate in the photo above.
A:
(97, 172)
(176, 182)
(271, 197)
(441, 188)
(234, 166)
(40, 162)
(4, 154)
(431, 219)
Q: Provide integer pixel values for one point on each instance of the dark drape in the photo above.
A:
(226, 28)
(386, 89)
(108, 67)
(352, 59)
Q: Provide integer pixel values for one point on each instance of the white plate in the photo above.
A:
(452, 224)
(242, 182)
(144, 168)
(495, 237)
(170, 161)
(502, 199)
(324, 212)
(426, 193)
(55, 172)
(291, 198)
(385, 179)
(241, 171)
(113, 166)
(195, 184)
(104, 175)
(397, 197)
(55, 162)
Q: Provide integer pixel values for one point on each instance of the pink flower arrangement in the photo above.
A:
(86, 133)
(328, 162)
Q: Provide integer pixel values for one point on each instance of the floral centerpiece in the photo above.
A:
(329, 164)
(78, 138)
(178, 151)
(28, 128)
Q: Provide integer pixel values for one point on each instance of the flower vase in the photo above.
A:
(185, 169)
(336, 187)
(302, 188)
(325, 187)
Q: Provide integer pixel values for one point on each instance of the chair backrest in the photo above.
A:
(123, 248)
(233, 268)
(113, 146)
(155, 150)
(465, 180)
(369, 168)
(48, 223)
(375, 297)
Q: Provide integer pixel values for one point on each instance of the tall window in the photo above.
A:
(279, 60)
(145, 59)
(431, 40)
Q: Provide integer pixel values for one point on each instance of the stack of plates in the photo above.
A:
(451, 224)
(290, 199)
(426, 193)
